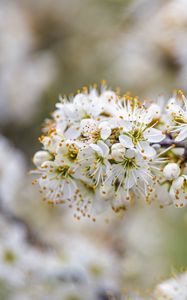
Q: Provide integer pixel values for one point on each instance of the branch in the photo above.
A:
(168, 141)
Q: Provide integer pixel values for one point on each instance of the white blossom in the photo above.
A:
(20, 88)
(172, 289)
(103, 150)
(177, 109)
(178, 191)
(12, 173)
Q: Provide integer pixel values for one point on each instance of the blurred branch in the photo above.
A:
(168, 141)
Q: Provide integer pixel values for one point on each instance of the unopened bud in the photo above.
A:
(118, 151)
(40, 157)
(171, 171)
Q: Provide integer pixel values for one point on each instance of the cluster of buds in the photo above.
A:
(103, 150)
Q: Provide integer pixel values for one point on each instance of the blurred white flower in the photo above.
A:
(12, 173)
(24, 75)
(172, 289)
(78, 267)
(143, 259)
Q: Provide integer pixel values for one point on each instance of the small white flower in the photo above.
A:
(178, 191)
(140, 138)
(67, 119)
(12, 174)
(171, 171)
(93, 160)
(178, 114)
(132, 170)
(66, 152)
(57, 183)
(137, 131)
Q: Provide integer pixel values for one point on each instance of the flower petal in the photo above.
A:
(104, 148)
(182, 135)
(146, 149)
(105, 133)
(153, 135)
(126, 141)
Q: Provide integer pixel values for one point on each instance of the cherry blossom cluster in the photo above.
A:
(103, 150)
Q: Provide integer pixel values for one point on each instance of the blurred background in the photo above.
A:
(55, 47)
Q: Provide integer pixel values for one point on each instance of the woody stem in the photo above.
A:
(168, 141)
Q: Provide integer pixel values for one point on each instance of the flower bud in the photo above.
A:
(118, 151)
(130, 153)
(40, 157)
(171, 171)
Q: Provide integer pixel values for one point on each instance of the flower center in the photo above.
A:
(180, 119)
(136, 135)
(114, 137)
(72, 152)
(63, 171)
(129, 163)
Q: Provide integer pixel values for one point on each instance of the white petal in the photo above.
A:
(97, 149)
(105, 133)
(182, 135)
(126, 141)
(130, 180)
(130, 153)
(127, 126)
(146, 149)
(104, 148)
(154, 111)
(61, 126)
(178, 192)
(80, 99)
(177, 183)
(72, 132)
(86, 153)
(153, 135)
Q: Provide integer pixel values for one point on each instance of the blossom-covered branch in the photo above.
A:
(103, 150)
